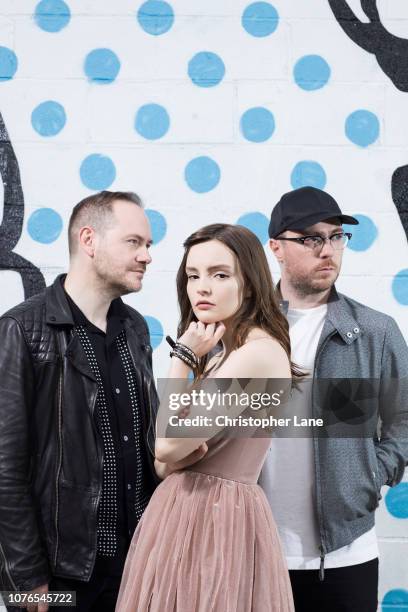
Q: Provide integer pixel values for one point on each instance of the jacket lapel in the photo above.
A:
(75, 354)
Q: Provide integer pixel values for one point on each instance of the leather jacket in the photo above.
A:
(51, 454)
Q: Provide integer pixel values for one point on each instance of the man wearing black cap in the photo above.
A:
(323, 492)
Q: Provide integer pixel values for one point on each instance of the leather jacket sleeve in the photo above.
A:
(23, 561)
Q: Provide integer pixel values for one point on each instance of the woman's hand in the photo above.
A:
(202, 338)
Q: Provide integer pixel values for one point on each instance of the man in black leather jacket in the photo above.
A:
(77, 413)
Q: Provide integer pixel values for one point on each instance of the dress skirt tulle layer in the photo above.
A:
(205, 544)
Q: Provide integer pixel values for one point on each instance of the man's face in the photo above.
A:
(308, 270)
(121, 251)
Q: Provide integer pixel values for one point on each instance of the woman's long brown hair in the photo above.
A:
(261, 309)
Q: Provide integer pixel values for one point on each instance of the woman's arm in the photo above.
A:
(165, 469)
(262, 359)
(201, 340)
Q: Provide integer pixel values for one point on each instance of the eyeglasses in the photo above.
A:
(337, 241)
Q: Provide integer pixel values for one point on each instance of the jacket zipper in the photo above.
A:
(59, 459)
(98, 499)
(151, 416)
(148, 401)
(6, 567)
(321, 570)
(319, 510)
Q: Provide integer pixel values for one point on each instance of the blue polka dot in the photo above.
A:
(52, 15)
(8, 64)
(206, 69)
(257, 223)
(155, 331)
(308, 174)
(400, 287)
(48, 118)
(257, 124)
(202, 174)
(260, 19)
(395, 601)
(364, 234)
(152, 121)
(44, 225)
(396, 500)
(102, 66)
(158, 225)
(362, 128)
(155, 17)
(311, 72)
(97, 172)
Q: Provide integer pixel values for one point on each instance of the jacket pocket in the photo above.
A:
(76, 530)
(358, 489)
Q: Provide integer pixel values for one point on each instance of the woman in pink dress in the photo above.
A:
(207, 540)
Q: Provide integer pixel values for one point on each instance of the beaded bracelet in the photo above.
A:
(184, 353)
(184, 358)
(187, 350)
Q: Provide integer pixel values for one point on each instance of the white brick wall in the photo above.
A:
(309, 125)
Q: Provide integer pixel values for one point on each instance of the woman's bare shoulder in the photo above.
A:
(260, 356)
(256, 335)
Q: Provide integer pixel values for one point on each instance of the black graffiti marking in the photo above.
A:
(13, 217)
(391, 51)
(392, 56)
(399, 188)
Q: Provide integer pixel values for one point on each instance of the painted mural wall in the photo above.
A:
(209, 110)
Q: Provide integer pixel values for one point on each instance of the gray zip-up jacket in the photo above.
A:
(358, 342)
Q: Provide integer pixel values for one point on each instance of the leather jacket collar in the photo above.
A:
(57, 308)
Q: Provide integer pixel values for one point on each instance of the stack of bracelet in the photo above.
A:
(184, 353)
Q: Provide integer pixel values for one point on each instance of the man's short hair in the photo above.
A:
(96, 211)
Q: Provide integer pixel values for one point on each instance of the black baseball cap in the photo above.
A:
(303, 207)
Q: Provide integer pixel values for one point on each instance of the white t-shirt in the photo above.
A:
(288, 475)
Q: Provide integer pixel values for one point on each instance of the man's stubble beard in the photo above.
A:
(110, 280)
(305, 287)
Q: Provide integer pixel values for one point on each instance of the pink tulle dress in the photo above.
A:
(207, 541)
